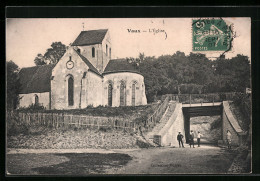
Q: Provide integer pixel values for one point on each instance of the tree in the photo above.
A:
(194, 73)
(13, 85)
(141, 56)
(234, 73)
(39, 60)
(52, 54)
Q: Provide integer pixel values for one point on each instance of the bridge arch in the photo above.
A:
(196, 110)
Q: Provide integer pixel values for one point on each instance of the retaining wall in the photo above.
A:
(230, 123)
(174, 125)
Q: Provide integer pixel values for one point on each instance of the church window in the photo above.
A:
(109, 53)
(110, 91)
(106, 49)
(93, 52)
(71, 91)
(122, 94)
(133, 94)
(36, 100)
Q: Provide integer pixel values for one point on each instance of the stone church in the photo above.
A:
(84, 76)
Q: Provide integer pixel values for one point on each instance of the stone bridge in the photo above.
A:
(201, 109)
(179, 120)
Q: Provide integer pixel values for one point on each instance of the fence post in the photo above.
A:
(48, 119)
(98, 123)
(80, 116)
(63, 119)
(28, 118)
(52, 119)
(44, 118)
(57, 120)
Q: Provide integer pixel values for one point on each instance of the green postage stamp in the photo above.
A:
(211, 35)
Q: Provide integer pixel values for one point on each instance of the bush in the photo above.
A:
(32, 108)
(244, 104)
(13, 126)
(90, 106)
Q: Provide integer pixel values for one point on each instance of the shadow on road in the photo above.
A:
(85, 163)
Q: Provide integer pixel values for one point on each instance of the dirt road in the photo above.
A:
(206, 159)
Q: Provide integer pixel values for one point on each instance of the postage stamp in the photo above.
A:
(211, 35)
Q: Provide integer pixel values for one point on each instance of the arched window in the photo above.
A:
(36, 100)
(93, 52)
(133, 94)
(110, 91)
(106, 49)
(109, 53)
(71, 91)
(122, 94)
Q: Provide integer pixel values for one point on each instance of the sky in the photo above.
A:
(25, 38)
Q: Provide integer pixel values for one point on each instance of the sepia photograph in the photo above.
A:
(128, 96)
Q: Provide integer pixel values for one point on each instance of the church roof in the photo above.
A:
(90, 66)
(120, 65)
(35, 79)
(90, 37)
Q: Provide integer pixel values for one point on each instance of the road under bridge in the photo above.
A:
(200, 109)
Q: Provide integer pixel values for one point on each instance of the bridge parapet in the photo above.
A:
(202, 104)
(203, 98)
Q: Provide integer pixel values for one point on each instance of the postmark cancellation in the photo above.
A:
(212, 35)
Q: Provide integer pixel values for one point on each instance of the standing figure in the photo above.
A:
(191, 139)
(229, 136)
(198, 138)
(179, 138)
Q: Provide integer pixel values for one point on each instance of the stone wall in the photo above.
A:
(227, 126)
(29, 99)
(94, 90)
(129, 78)
(173, 127)
(231, 124)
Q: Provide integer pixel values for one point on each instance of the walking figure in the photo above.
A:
(229, 136)
(198, 138)
(179, 138)
(191, 139)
